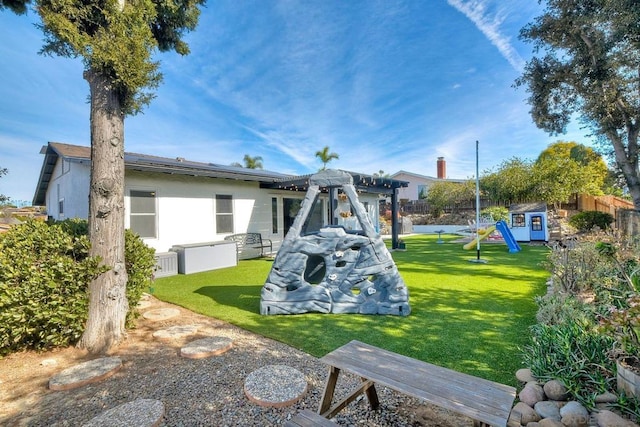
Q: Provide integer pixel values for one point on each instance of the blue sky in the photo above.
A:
(388, 85)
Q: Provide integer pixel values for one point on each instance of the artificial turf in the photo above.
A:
(466, 316)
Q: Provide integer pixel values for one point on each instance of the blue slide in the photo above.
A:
(503, 228)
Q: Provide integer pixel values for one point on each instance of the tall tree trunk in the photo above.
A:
(108, 304)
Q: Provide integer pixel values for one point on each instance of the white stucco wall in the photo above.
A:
(69, 182)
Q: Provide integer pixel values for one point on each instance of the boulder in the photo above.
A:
(524, 375)
(555, 390)
(611, 419)
(531, 394)
(574, 415)
(525, 413)
(548, 409)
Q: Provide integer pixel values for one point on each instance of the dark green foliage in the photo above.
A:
(141, 264)
(497, 213)
(574, 355)
(17, 6)
(587, 220)
(45, 270)
(44, 274)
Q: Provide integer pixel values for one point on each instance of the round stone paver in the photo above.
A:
(275, 386)
(161, 314)
(175, 332)
(85, 373)
(206, 347)
(144, 304)
(140, 413)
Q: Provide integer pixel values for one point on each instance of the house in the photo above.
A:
(529, 222)
(171, 202)
(418, 185)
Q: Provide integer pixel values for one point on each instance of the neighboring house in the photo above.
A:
(172, 202)
(418, 185)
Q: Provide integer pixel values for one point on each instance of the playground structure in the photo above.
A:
(339, 267)
(487, 229)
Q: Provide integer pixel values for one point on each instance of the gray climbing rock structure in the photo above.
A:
(343, 267)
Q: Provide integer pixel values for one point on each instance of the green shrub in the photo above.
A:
(141, 264)
(45, 270)
(587, 220)
(576, 356)
(44, 274)
(497, 213)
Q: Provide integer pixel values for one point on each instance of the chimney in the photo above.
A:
(442, 168)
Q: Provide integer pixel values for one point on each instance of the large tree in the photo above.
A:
(587, 64)
(567, 168)
(116, 40)
(510, 182)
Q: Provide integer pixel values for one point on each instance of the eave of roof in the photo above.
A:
(180, 166)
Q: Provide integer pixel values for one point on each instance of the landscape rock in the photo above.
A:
(574, 415)
(531, 394)
(555, 390)
(526, 413)
(550, 422)
(524, 375)
(606, 398)
(610, 419)
(548, 409)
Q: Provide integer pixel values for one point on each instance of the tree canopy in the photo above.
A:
(586, 64)
(3, 198)
(249, 162)
(326, 156)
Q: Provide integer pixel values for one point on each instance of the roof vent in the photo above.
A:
(180, 159)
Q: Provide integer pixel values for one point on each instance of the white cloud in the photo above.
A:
(489, 24)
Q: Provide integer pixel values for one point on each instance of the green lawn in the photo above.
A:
(465, 316)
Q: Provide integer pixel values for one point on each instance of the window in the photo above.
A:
(142, 219)
(518, 220)
(61, 207)
(224, 214)
(274, 215)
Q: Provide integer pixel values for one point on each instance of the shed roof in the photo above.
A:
(181, 166)
(527, 207)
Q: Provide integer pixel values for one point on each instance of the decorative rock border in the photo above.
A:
(547, 404)
(206, 347)
(85, 373)
(275, 386)
(175, 332)
(140, 413)
(161, 314)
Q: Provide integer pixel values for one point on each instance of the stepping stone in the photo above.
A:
(206, 347)
(275, 386)
(140, 412)
(175, 332)
(144, 304)
(85, 373)
(161, 314)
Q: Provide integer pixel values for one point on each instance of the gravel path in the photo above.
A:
(195, 392)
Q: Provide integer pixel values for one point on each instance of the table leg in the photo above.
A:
(329, 389)
(372, 395)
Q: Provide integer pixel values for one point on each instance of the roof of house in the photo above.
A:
(180, 166)
(425, 177)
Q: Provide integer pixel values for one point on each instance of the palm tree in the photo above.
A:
(249, 162)
(325, 157)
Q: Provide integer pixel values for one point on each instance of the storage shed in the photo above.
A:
(529, 222)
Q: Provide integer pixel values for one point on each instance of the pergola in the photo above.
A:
(364, 183)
